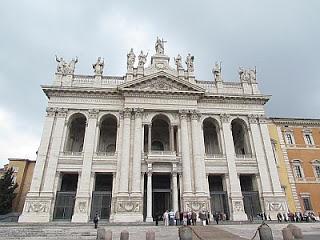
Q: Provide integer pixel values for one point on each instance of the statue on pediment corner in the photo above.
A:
(189, 62)
(247, 75)
(178, 62)
(98, 66)
(64, 67)
(142, 59)
(131, 58)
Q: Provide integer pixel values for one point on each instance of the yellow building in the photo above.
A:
(299, 155)
(23, 171)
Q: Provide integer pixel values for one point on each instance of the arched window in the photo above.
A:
(240, 137)
(211, 137)
(108, 134)
(160, 133)
(76, 132)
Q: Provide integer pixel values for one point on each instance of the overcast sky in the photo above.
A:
(280, 38)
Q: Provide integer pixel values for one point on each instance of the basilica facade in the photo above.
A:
(130, 147)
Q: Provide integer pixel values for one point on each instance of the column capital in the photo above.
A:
(195, 115)
(93, 113)
(51, 112)
(262, 119)
(183, 113)
(138, 112)
(225, 118)
(126, 113)
(62, 112)
(253, 119)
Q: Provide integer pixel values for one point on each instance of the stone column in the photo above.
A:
(198, 160)
(174, 191)
(33, 197)
(149, 217)
(171, 138)
(136, 164)
(149, 137)
(82, 208)
(43, 151)
(237, 208)
(125, 155)
(54, 152)
(185, 154)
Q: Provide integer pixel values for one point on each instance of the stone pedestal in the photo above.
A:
(128, 209)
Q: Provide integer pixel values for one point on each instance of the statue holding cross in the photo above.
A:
(159, 46)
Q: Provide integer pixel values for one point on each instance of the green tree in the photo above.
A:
(7, 194)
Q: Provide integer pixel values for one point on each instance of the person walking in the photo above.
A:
(177, 217)
(166, 218)
(194, 218)
(217, 218)
(96, 220)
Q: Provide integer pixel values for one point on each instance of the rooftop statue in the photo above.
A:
(64, 67)
(142, 59)
(178, 62)
(247, 74)
(159, 46)
(189, 62)
(131, 58)
(217, 71)
(98, 66)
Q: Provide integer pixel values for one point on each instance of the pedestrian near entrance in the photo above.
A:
(177, 217)
(194, 218)
(96, 220)
(166, 218)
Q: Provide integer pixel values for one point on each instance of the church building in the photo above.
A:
(130, 147)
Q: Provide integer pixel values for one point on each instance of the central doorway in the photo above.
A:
(218, 195)
(250, 194)
(161, 194)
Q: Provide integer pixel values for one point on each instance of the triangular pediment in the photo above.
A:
(161, 81)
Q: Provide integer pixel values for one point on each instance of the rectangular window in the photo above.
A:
(307, 203)
(289, 138)
(297, 169)
(308, 139)
(317, 168)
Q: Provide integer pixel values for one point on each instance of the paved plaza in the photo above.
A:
(70, 231)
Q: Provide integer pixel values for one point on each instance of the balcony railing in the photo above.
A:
(244, 156)
(214, 155)
(69, 153)
(161, 156)
(105, 153)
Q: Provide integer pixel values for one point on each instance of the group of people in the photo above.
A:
(296, 217)
(171, 218)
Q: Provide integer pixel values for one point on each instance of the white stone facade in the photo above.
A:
(158, 117)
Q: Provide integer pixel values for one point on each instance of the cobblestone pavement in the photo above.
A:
(70, 231)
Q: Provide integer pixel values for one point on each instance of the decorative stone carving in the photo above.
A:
(162, 84)
(262, 119)
(217, 71)
(225, 118)
(93, 113)
(37, 207)
(127, 112)
(138, 112)
(159, 46)
(183, 113)
(178, 62)
(196, 206)
(195, 115)
(247, 75)
(98, 66)
(82, 206)
(142, 59)
(189, 62)
(237, 206)
(62, 112)
(66, 68)
(128, 206)
(131, 58)
(253, 119)
(276, 206)
(51, 112)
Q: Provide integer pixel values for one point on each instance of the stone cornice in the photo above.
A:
(296, 121)
(228, 98)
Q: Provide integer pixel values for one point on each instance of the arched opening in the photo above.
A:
(240, 137)
(211, 137)
(160, 133)
(76, 133)
(108, 134)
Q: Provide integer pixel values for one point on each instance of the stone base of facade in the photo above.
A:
(237, 212)
(36, 209)
(81, 209)
(127, 209)
(275, 204)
